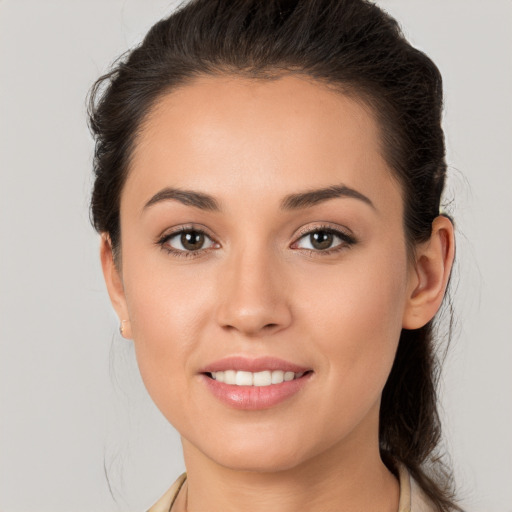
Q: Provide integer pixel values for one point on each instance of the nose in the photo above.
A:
(252, 292)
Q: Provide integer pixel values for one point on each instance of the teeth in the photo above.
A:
(288, 376)
(229, 376)
(243, 379)
(277, 377)
(264, 378)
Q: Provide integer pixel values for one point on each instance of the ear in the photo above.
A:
(114, 282)
(430, 274)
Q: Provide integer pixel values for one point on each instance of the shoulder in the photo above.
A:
(164, 504)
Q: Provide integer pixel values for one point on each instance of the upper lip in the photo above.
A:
(240, 363)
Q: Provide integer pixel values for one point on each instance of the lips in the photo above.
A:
(259, 364)
(253, 384)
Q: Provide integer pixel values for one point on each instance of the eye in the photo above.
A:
(187, 240)
(324, 240)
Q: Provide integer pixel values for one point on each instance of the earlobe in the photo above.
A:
(429, 277)
(114, 283)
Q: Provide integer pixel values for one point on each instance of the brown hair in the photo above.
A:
(353, 46)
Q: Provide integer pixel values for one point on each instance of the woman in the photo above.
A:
(268, 185)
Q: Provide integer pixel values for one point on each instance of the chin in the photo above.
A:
(261, 454)
(268, 462)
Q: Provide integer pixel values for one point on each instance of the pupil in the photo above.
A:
(321, 239)
(192, 240)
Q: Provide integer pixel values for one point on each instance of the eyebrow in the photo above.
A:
(291, 202)
(187, 197)
(313, 197)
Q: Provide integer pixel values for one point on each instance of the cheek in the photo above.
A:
(168, 314)
(354, 316)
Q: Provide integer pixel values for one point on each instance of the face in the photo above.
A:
(262, 235)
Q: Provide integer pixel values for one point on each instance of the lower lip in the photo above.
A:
(255, 397)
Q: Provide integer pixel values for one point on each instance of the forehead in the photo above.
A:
(222, 133)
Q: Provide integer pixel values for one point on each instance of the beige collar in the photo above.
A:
(165, 503)
(412, 497)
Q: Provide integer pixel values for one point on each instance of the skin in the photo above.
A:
(258, 288)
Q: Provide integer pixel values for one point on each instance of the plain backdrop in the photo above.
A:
(72, 406)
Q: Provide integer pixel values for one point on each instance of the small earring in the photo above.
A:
(121, 327)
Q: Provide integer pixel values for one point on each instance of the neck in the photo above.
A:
(341, 478)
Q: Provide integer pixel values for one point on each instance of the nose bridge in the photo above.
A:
(252, 290)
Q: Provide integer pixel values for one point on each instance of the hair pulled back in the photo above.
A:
(354, 47)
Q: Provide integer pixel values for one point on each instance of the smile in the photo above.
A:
(263, 378)
(254, 383)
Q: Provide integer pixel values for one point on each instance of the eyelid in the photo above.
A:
(324, 226)
(174, 230)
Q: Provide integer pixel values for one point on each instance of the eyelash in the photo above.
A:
(346, 241)
(162, 242)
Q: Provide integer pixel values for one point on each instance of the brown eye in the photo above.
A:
(321, 240)
(324, 240)
(192, 240)
(187, 241)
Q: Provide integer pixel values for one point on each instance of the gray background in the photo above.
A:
(71, 400)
